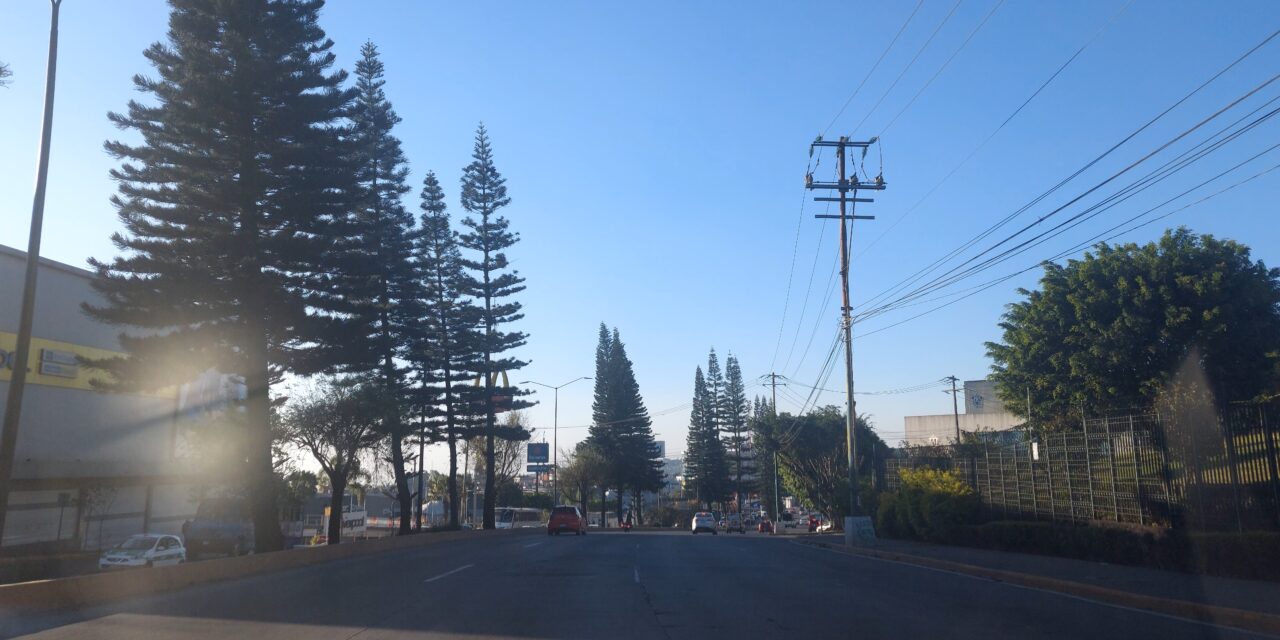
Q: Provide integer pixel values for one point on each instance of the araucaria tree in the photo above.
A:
(705, 463)
(228, 203)
(491, 282)
(1109, 331)
(733, 428)
(621, 428)
(379, 297)
(445, 354)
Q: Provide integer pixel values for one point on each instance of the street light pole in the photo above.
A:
(22, 350)
(555, 434)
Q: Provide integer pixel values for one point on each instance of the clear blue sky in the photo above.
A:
(655, 154)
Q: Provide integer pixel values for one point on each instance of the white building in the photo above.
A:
(91, 468)
(983, 411)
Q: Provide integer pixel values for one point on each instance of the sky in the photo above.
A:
(655, 155)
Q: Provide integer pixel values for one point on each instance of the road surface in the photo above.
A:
(613, 586)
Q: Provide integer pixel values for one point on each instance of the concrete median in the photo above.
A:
(99, 588)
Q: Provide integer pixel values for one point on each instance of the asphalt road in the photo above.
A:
(614, 586)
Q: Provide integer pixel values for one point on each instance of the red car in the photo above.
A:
(765, 526)
(567, 518)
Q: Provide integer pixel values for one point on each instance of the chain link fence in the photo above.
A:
(1214, 473)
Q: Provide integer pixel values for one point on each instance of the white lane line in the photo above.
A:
(532, 545)
(449, 573)
(637, 570)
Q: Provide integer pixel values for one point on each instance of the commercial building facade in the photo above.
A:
(91, 467)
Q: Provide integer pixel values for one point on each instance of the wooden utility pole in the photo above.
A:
(843, 185)
(22, 350)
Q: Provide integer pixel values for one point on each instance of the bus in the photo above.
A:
(519, 518)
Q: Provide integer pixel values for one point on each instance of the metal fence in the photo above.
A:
(1205, 473)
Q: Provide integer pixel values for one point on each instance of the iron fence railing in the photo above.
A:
(1201, 473)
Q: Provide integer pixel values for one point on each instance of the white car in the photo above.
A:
(144, 550)
(704, 521)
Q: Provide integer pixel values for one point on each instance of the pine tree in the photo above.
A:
(601, 434)
(638, 465)
(228, 205)
(734, 425)
(491, 283)
(695, 449)
(444, 354)
(379, 301)
(705, 460)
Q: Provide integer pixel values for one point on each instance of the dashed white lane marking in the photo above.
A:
(449, 573)
(532, 545)
(637, 570)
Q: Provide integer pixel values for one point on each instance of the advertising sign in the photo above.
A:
(539, 452)
(539, 468)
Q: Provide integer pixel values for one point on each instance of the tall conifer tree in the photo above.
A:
(492, 283)
(734, 427)
(444, 354)
(228, 204)
(380, 292)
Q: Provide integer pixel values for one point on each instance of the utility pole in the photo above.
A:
(843, 185)
(955, 405)
(22, 350)
(777, 499)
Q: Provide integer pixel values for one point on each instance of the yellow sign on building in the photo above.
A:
(53, 363)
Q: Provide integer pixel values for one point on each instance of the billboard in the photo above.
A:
(538, 452)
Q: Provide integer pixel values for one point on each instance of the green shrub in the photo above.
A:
(886, 517)
(933, 504)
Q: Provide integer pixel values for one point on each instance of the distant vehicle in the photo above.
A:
(704, 521)
(221, 525)
(143, 550)
(765, 526)
(734, 523)
(567, 518)
(518, 518)
(723, 522)
(826, 526)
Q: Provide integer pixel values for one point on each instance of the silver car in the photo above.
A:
(144, 550)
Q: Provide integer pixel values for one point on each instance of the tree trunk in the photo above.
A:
(454, 503)
(335, 508)
(490, 486)
(261, 473)
(402, 482)
(620, 506)
(604, 504)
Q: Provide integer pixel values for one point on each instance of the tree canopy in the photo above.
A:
(1109, 331)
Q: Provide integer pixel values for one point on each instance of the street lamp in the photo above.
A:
(555, 430)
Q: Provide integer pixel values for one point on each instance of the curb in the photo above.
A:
(99, 588)
(1200, 612)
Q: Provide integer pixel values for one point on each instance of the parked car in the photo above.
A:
(221, 525)
(704, 521)
(734, 523)
(765, 526)
(144, 550)
(567, 518)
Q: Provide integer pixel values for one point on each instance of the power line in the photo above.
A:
(1080, 246)
(997, 130)
(959, 272)
(993, 228)
(909, 64)
(937, 73)
(873, 67)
